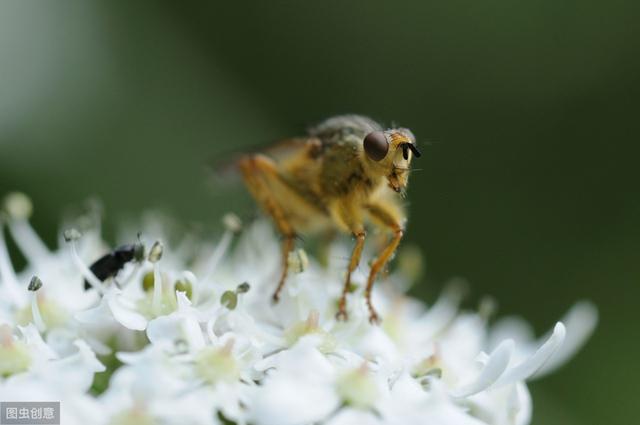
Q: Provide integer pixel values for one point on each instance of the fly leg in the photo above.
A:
(387, 216)
(353, 263)
(287, 247)
(258, 171)
(348, 215)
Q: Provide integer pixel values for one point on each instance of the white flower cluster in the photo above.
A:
(189, 336)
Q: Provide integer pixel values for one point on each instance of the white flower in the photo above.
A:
(299, 387)
(188, 335)
(181, 325)
(29, 360)
(114, 307)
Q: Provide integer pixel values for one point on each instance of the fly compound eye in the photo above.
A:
(376, 145)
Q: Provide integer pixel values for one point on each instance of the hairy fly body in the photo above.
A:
(346, 173)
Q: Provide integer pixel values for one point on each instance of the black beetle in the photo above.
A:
(110, 264)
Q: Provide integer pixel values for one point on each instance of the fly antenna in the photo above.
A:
(415, 150)
(405, 151)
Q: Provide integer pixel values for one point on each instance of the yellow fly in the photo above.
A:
(347, 172)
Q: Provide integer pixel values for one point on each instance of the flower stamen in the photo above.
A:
(155, 254)
(233, 225)
(34, 286)
(71, 236)
(19, 208)
(7, 273)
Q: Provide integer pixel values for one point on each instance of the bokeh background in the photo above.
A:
(527, 113)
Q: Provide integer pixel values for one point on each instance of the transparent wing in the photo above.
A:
(223, 166)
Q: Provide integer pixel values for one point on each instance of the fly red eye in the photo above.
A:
(376, 145)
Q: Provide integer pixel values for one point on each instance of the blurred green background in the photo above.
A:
(527, 113)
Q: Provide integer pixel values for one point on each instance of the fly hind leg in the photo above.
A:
(260, 174)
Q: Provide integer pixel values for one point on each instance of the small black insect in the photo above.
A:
(110, 264)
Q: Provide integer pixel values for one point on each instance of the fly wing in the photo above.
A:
(344, 127)
(349, 127)
(288, 148)
(225, 165)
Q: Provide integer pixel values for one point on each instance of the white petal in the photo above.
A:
(98, 346)
(437, 414)
(32, 338)
(176, 326)
(511, 327)
(443, 312)
(531, 365)
(72, 374)
(409, 404)
(507, 405)
(521, 404)
(377, 343)
(126, 317)
(88, 357)
(407, 391)
(580, 322)
(164, 328)
(495, 366)
(291, 401)
(148, 375)
(349, 416)
(28, 241)
(299, 391)
(183, 302)
(95, 316)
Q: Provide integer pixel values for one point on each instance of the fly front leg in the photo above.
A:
(261, 176)
(353, 263)
(348, 215)
(388, 216)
